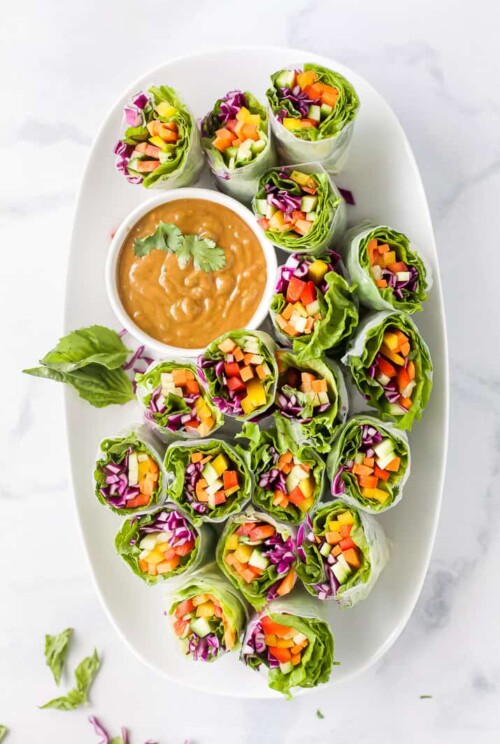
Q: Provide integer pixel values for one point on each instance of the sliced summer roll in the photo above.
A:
(311, 394)
(236, 137)
(163, 544)
(129, 474)
(299, 208)
(207, 616)
(288, 475)
(175, 402)
(313, 115)
(387, 269)
(313, 309)
(208, 479)
(160, 147)
(257, 554)
(391, 366)
(369, 463)
(291, 642)
(342, 552)
(240, 371)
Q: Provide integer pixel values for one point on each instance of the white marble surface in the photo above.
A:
(62, 65)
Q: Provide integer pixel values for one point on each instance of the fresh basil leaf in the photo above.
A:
(97, 385)
(3, 732)
(84, 676)
(56, 649)
(94, 345)
(167, 237)
(47, 373)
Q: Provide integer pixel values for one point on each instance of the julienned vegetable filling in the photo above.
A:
(180, 383)
(375, 466)
(210, 480)
(301, 282)
(165, 544)
(240, 372)
(388, 270)
(130, 480)
(291, 481)
(312, 100)
(291, 213)
(242, 135)
(255, 550)
(275, 645)
(394, 370)
(342, 558)
(302, 394)
(202, 627)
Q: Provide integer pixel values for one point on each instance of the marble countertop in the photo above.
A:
(438, 68)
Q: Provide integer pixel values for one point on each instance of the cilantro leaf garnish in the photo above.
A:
(205, 254)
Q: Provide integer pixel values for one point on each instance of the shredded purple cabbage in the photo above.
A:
(117, 490)
(170, 520)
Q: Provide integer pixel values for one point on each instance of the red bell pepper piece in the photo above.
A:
(308, 293)
(295, 288)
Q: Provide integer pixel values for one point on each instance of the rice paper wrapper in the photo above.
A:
(332, 151)
(301, 611)
(359, 268)
(134, 529)
(176, 475)
(258, 593)
(369, 537)
(327, 232)
(186, 166)
(339, 307)
(319, 431)
(347, 491)
(360, 358)
(145, 387)
(209, 580)
(141, 437)
(267, 348)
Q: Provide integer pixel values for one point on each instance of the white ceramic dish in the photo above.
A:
(384, 178)
(163, 198)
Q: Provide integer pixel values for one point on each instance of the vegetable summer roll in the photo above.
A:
(175, 402)
(313, 309)
(129, 473)
(292, 642)
(208, 617)
(299, 208)
(289, 475)
(207, 478)
(236, 137)
(160, 147)
(312, 395)
(313, 115)
(240, 371)
(387, 269)
(257, 554)
(163, 544)
(391, 366)
(369, 463)
(342, 552)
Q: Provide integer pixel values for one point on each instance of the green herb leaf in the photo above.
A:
(84, 676)
(319, 714)
(206, 255)
(97, 385)
(56, 649)
(3, 732)
(425, 697)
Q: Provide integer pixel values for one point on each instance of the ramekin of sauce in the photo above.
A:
(174, 309)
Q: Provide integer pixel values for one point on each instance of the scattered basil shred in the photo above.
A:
(84, 676)
(320, 715)
(205, 254)
(56, 649)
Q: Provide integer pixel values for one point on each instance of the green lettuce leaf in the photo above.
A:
(127, 546)
(358, 263)
(84, 676)
(114, 450)
(259, 455)
(256, 592)
(178, 457)
(345, 447)
(56, 649)
(362, 352)
(320, 429)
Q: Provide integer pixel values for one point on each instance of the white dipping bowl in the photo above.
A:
(121, 234)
